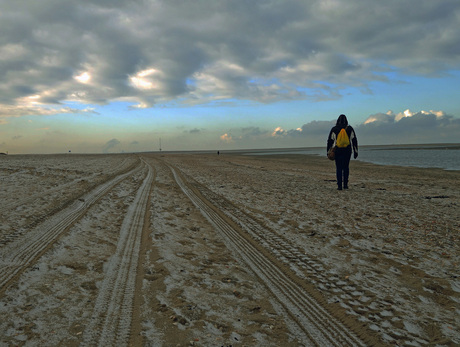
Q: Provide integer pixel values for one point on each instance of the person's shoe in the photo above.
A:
(345, 187)
(339, 188)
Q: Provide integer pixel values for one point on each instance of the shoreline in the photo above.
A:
(245, 150)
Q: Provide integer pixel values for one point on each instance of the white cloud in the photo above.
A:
(401, 115)
(226, 138)
(146, 79)
(38, 110)
(279, 132)
(84, 78)
(141, 83)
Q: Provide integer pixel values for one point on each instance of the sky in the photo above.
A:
(111, 76)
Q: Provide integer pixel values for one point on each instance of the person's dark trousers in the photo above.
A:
(342, 165)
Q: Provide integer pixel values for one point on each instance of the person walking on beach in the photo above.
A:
(344, 145)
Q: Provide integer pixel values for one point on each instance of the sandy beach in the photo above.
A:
(226, 250)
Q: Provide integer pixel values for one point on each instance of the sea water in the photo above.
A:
(447, 158)
(438, 156)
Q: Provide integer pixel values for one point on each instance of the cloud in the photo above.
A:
(226, 138)
(388, 128)
(252, 132)
(110, 145)
(409, 127)
(381, 118)
(194, 131)
(32, 108)
(381, 128)
(245, 134)
(314, 128)
(157, 52)
(278, 132)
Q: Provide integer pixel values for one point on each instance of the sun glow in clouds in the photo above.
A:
(226, 138)
(84, 78)
(140, 83)
(33, 99)
(409, 113)
(141, 80)
(147, 72)
(279, 132)
(390, 116)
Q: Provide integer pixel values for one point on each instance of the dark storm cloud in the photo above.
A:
(253, 135)
(390, 128)
(253, 131)
(419, 127)
(314, 128)
(110, 145)
(151, 52)
(193, 131)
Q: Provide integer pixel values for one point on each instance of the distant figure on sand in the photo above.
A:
(343, 142)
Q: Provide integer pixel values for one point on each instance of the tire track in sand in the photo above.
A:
(310, 322)
(25, 251)
(121, 167)
(110, 323)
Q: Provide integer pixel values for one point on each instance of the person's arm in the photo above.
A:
(354, 142)
(330, 141)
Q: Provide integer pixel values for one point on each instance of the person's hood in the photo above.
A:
(342, 121)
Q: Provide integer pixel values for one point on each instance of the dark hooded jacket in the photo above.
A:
(342, 122)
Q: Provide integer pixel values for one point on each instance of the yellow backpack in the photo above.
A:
(342, 139)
